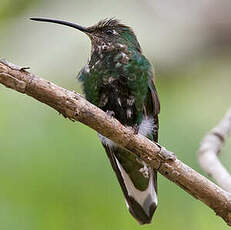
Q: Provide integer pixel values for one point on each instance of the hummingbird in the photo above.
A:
(119, 79)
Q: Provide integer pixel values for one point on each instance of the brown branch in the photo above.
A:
(209, 149)
(71, 105)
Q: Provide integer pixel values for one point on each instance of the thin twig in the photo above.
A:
(209, 149)
(71, 105)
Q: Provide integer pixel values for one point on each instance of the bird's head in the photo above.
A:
(105, 32)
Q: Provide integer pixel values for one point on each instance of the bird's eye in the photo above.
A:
(109, 32)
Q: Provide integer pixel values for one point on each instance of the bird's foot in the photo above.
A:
(136, 129)
(110, 113)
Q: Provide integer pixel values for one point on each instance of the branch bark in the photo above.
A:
(209, 149)
(73, 106)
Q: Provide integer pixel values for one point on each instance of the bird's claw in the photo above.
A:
(135, 129)
(110, 113)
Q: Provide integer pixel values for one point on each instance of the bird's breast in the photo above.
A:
(115, 97)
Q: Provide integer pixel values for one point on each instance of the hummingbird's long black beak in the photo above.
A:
(81, 28)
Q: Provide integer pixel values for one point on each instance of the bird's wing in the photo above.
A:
(152, 106)
(154, 96)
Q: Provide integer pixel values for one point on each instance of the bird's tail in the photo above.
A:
(138, 182)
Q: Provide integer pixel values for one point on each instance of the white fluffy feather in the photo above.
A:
(147, 125)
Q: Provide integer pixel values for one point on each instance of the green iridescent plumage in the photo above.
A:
(136, 71)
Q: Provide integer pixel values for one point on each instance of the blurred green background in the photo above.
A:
(54, 174)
